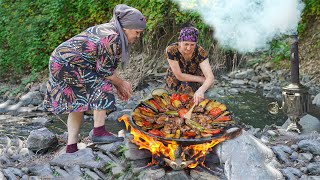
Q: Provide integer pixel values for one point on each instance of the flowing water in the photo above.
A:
(251, 109)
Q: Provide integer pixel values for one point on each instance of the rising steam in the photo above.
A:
(247, 25)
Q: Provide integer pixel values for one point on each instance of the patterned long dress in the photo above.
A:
(191, 66)
(78, 69)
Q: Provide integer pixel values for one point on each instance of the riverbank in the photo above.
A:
(276, 153)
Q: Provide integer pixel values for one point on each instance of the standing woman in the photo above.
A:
(83, 70)
(189, 68)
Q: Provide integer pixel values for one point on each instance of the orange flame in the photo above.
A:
(158, 148)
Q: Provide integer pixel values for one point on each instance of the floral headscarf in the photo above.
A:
(189, 34)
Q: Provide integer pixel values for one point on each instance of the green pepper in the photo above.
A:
(194, 125)
(175, 113)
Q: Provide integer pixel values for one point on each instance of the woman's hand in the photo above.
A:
(124, 90)
(198, 96)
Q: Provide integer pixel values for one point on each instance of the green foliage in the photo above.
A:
(310, 13)
(280, 50)
(30, 30)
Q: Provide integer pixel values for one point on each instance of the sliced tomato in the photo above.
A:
(212, 131)
(145, 109)
(184, 98)
(155, 104)
(175, 97)
(215, 112)
(182, 112)
(189, 134)
(223, 118)
(156, 132)
(146, 123)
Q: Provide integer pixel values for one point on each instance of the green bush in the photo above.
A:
(30, 30)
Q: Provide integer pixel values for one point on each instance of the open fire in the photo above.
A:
(175, 155)
(177, 132)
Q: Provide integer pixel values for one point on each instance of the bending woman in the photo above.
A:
(189, 68)
(83, 73)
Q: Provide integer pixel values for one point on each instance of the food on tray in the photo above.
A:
(163, 116)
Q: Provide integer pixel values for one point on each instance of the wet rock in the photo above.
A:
(41, 140)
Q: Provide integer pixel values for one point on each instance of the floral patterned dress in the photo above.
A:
(78, 69)
(191, 66)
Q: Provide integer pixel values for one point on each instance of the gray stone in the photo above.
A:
(16, 171)
(9, 174)
(316, 100)
(83, 158)
(305, 157)
(73, 170)
(312, 146)
(42, 170)
(245, 157)
(4, 106)
(43, 121)
(91, 174)
(237, 83)
(2, 175)
(151, 174)
(62, 173)
(32, 97)
(113, 147)
(314, 178)
(41, 139)
(201, 175)
(135, 154)
(314, 168)
(177, 175)
(117, 170)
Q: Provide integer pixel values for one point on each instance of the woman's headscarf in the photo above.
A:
(189, 34)
(130, 18)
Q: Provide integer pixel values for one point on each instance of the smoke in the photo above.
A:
(247, 25)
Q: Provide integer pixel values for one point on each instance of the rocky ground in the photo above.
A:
(270, 153)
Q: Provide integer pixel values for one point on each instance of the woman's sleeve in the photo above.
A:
(108, 55)
(170, 53)
(202, 55)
